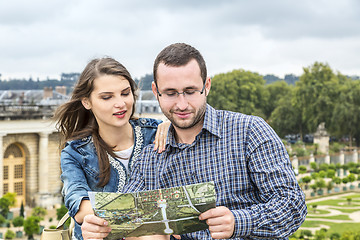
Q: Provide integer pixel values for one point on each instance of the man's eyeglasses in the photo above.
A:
(189, 94)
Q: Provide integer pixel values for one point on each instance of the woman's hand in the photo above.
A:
(160, 137)
(94, 227)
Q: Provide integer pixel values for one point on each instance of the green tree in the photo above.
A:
(345, 180)
(320, 183)
(4, 206)
(39, 212)
(60, 212)
(18, 221)
(313, 187)
(314, 206)
(239, 91)
(351, 178)
(314, 166)
(320, 234)
(315, 95)
(348, 235)
(306, 233)
(315, 175)
(2, 219)
(324, 166)
(330, 173)
(346, 113)
(31, 226)
(302, 169)
(332, 166)
(306, 180)
(276, 90)
(11, 197)
(349, 199)
(337, 180)
(322, 174)
(22, 210)
(329, 186)
(335, 236)
(9, 234)
(286, 118)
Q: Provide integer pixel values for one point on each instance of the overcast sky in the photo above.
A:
(40, 38)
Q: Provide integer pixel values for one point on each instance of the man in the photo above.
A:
(257, 195)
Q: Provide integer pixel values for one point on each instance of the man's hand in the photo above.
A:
(94, 227)
(221, 222)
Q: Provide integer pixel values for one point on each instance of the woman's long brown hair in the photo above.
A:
(76, 122)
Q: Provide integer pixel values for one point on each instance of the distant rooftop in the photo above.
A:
(30, 104)
(41, 104)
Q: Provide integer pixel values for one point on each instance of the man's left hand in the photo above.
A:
(221, 222)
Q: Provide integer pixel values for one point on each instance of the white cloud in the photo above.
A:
(46, 38)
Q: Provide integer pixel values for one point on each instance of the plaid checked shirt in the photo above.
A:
(250, 167)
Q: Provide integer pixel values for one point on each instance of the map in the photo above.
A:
(155, 212)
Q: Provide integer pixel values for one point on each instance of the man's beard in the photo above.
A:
(199, 116)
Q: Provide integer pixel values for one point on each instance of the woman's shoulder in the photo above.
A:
(76, 143)
(146, 122)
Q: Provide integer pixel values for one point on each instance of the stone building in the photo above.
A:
(29, 144)
(29, 161)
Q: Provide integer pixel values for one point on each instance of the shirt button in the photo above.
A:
(143, 121)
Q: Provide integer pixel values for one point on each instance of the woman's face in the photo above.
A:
(111, 101)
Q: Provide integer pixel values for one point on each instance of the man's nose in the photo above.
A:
(181, 101)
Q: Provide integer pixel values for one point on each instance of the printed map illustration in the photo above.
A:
(162, 211)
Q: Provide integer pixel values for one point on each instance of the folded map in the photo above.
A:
(155, 212)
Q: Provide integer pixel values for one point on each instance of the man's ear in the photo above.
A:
(207, 85)
(153, 88)
(86, 103)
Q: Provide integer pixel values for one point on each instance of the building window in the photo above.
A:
(18, 171)
(13, 150)
(6, 172)
(6, 188)
(18, 188)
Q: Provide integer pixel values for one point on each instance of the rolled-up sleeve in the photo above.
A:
(75, 187)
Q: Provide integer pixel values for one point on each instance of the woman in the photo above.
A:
(101, 139)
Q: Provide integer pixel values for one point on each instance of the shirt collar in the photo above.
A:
(210, 124)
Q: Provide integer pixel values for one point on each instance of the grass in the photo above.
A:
(334, 227)
(337, 217)
(346, 210)
(312, 210)
(340, 204)
(332, 202)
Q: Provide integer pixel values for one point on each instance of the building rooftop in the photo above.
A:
(41, 104)
(30, 104)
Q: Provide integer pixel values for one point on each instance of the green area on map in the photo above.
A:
(156, 212)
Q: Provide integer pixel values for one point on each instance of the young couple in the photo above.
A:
(257, 195)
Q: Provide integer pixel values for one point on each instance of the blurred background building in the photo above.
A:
(29, 142)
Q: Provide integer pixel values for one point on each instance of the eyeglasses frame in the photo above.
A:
(183, 92)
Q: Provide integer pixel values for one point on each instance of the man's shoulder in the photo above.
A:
(148, 152)
(236, 116)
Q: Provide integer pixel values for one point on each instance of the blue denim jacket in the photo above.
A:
(80, 169)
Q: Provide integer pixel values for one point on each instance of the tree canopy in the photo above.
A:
(320, 95)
